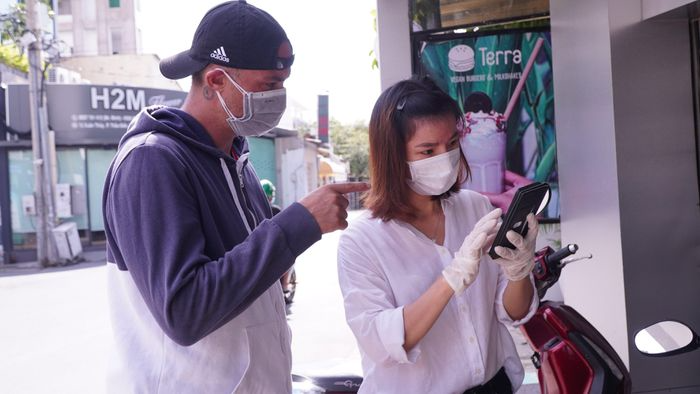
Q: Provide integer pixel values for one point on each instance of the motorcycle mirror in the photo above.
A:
(544, 202)
(666, 338)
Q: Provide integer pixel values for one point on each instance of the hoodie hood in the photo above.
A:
(182, 126)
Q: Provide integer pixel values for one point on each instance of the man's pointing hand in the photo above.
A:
(328, 205)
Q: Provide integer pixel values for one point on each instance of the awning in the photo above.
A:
(329, 168)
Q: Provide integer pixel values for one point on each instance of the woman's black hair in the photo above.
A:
(392, 125)
(420, 97)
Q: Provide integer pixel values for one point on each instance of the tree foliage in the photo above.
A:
(12, 57)
(13, 24)
(351, 142)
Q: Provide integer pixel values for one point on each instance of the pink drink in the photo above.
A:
(484, 146)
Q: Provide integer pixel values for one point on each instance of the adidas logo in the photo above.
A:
(219, 54)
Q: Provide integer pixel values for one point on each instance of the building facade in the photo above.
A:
(91, 28)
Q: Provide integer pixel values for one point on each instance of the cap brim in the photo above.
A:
(180, 66)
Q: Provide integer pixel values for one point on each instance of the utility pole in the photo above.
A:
(43, 195)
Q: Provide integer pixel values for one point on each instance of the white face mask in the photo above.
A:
(434, 175)
(262, 111)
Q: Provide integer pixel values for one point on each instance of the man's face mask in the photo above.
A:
(434, 175)
(262, 111)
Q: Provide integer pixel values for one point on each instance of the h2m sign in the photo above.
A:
(117, 99)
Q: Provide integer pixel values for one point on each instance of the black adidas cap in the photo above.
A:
(232, 34)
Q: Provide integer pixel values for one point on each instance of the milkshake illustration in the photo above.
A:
(483, 138)
(483, 142)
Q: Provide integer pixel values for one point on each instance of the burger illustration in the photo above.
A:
(460, 58)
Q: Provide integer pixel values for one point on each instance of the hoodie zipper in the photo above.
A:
(240, 168)
(234, 194)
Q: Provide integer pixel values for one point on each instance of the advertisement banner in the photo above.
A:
(503, 83)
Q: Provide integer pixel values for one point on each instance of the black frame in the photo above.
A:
(695, 66)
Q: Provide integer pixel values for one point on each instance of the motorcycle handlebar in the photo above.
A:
(561, 254)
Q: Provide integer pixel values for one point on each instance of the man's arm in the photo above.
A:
(153, 217)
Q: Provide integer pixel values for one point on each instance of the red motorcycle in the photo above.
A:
(570, 354)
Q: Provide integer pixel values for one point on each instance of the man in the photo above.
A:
(194, 255)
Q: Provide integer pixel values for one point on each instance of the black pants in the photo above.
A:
(499, 384)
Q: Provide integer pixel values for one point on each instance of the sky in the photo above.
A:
(331, 39)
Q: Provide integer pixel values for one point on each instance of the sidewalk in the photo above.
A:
(91, 258)
(55, 332)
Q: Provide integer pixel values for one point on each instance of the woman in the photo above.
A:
(427, 306)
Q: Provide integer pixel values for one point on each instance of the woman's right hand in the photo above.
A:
(464, 268)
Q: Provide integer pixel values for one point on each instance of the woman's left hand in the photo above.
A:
(517, 263)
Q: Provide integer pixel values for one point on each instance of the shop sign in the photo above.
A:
(88, 114)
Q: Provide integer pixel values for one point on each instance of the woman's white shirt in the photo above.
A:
(383, 266)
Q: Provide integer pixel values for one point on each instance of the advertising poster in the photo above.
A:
(503, 83)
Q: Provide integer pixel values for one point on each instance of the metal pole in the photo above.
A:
(34, 58)
(40, 149)
(47, 146)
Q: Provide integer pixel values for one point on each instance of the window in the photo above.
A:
(439, 14)
(64, 7)
(113, 3)
(116, 37)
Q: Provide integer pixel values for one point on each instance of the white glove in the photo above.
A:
(464, 268)
(517, 263)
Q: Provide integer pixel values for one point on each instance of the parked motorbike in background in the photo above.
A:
(289, 279)
(289, 285)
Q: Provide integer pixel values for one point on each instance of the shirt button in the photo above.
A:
(463, 308)
(471, 339)
(478, 372)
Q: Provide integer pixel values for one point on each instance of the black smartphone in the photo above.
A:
(532, 198)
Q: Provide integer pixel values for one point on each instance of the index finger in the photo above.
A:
(348, 187)
(533, 225)
(495, 214)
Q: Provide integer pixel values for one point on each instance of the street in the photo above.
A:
(55, 333)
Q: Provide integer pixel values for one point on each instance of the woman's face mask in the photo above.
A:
(262, 111)
(434, 175)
